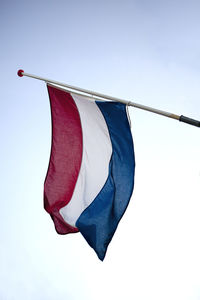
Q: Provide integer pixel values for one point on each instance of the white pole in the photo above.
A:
(21, 73)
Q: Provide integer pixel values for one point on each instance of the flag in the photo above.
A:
(90, 176)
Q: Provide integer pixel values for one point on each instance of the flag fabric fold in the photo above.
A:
(90, 177)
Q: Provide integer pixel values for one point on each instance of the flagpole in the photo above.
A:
(181, 118)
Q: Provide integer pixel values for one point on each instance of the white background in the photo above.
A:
(144, 51)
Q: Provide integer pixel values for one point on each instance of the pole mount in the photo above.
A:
(20, 73)
(189, 121)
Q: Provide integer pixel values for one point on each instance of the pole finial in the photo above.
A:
(20, 73)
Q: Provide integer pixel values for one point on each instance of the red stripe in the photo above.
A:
(65, 158)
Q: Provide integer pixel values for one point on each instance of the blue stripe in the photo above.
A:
(100, 219)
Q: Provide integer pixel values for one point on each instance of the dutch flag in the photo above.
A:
(90, 176)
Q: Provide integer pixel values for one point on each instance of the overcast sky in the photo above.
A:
(144, 51)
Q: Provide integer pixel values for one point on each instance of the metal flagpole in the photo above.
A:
(181, 118)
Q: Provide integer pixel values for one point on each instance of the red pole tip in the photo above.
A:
(20, 73)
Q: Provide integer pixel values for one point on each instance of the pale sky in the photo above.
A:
(144, 51)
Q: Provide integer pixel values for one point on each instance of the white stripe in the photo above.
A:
(97, 151)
